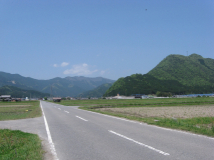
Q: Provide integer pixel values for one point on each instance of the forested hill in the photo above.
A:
(191, 71)
(176, 74)
(21, 93)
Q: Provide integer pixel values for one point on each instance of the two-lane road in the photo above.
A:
(82, 135)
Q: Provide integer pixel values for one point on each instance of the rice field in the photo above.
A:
(19, 110)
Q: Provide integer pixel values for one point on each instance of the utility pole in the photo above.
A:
(51, 92)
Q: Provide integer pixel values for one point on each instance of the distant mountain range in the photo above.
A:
(21, 93)
(177, 74)
(97, 92)
(69, 86)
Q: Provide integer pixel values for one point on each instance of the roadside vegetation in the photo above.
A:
(190, 114)
(18, 145)
(19, 110)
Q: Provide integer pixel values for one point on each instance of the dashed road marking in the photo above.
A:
(108, 116)
(152, 148)
(66, 111)
(81, 118)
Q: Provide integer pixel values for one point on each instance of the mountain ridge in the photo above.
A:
(176, 73)
(96, 92)
(68, 86)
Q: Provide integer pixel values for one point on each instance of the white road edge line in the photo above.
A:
(53, 150)
(81, 118)
(66, 111)
(154, 149)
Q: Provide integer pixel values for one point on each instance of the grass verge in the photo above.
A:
(18, 145)
(19, 110)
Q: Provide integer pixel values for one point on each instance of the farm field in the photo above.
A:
(19, 110)
(165, 112)
(190, 114)
(139, 102)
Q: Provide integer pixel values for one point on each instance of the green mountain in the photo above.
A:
(21, 93)
(69, 86)
(97, 92)
(193, 70)
(176, 74)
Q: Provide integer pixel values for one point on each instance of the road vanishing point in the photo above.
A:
(76, 134)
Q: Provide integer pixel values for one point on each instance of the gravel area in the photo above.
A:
(167, 112)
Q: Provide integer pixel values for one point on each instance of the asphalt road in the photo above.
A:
(82, 135)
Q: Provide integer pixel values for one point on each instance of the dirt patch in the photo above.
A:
(167, 112)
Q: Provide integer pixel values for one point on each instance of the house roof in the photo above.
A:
(57, 98)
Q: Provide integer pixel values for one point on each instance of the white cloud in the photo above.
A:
(102, 72)
(55, 65)
(64, 64)
(84, 65)
(81, 69)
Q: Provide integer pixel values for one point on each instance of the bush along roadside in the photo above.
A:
(18, 145)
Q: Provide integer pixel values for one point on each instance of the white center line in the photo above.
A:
(59, 108)
(81, 118)
(107, 116)
(66, 111)
(159, 151)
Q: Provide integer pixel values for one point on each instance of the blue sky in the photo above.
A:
(44, 39)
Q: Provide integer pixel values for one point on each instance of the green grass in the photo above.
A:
(17, 145)
(198, 125)
(19, 110)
